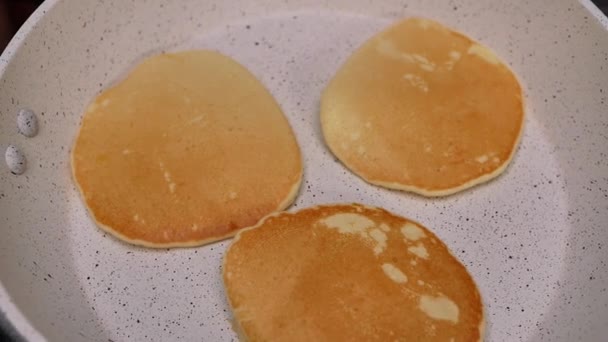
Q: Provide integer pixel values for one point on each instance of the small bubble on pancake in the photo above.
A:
(419, 250)
(394, 273)
(440, 308)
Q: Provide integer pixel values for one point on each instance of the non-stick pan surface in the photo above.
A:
(535, 239)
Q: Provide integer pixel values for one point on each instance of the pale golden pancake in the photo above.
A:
(422, 108)
(187, 149)
(348, 273)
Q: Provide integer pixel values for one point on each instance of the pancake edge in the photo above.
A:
(235, 322)
(419, 190)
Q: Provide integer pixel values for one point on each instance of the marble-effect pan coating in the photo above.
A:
(534, 239)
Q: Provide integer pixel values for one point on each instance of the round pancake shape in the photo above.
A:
(422, 108)
(187, 149)
(348, 273)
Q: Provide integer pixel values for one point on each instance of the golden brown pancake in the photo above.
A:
(348, 273)
(186, 150)
(422, 108)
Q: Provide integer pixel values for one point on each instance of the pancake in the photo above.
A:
(422, 108)
(187, 149)
(348, 273)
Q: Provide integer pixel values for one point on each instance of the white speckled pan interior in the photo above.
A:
(535, 239)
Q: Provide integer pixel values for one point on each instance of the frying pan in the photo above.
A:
(535, 239)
